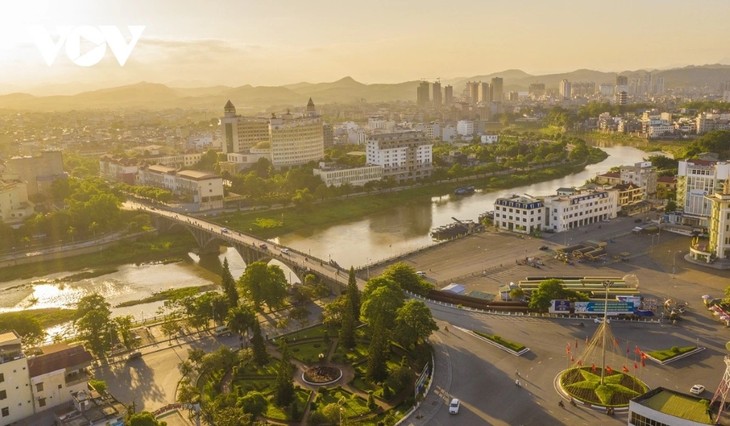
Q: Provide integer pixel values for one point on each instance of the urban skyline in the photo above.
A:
(240, 43)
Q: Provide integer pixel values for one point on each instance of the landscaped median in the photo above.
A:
(514, 348)
(665, 356)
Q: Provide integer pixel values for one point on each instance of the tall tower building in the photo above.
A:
(472, 91)
(484, 95)
(436, 94)
(497, 90)
(564, 89)
(422, 95)
(448, 95)
(242, 133)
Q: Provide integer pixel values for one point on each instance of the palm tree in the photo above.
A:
(240, 319)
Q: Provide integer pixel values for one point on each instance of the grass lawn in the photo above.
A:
(275, 412)
(308, 352)
(669, 353)
(249, 384)
(251, 368)
(501, 341)
(308, 333)
(361, 384)
(353, 405)
(353, 356)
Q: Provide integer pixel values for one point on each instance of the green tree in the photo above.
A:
(284, 388)
(93, 323)
(264, 284)
(98, 385)
(407, 278)
(258, 345)
(549, 290)
(240, 319)
(333, 312)
(376, 365)
(380, 306)
(353, 293)
(123, 326)
(28, 328)
(253, 403)
(228, 284)
(413, 323)
(144, 418)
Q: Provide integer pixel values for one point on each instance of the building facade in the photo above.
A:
(357, 176)
(564, 212)
(296, 140)
(519, 213)
(719, 229)
(642, 174)
(665, 407)
(16, 399)
(404, 156)
(38, 172)
(58, 372)
(14, 204)
(697, 179)
(197, 190)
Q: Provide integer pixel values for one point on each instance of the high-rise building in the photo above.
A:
(242, 133)
(472, 91)
(622, 85)
(436, 94)
(697, 179)
(422, 95)
(719, 229)
(448, 95)
(484, 95)
(622, 97)
(404, 156)
(17, 401)
(564, 89)
(328, 135)
(496, 90)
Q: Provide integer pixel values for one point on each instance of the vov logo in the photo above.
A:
(99, 37)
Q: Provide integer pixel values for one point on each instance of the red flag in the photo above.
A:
(609, 370)
(593, 367)
(636, 366)
(637, 351)
(643, 363)
(643, 356)
(580, 362)
(626, 369)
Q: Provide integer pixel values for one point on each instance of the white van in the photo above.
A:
(222, 330)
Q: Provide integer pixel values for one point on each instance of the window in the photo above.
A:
(2, 377)
(41, 402)
(3, 394)
(39, 387)
(5, 411)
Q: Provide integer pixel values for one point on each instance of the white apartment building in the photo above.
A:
(404, 156)
(564, 212)
(198, 190)
(707, 121)
(489, 139)
(57, 373)
(519, 213)
(296, 141)
(358, 176)
(241, 133)
(719, 242)
(16, 399)
(465, 127)
(14, 204)
(697, 179)
(448, 133)
(642, 174)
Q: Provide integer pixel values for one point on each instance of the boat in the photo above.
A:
(464, 190)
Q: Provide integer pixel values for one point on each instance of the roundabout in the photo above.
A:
(582, 384)
(321, 375)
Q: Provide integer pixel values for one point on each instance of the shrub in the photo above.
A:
(675, 349)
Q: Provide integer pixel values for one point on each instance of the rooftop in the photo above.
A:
(8, 337)
(58, 357)
(196, 174)
(676, 404)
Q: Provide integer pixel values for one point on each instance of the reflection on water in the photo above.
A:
(403, 229)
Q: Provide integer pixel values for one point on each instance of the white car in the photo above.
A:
(285, 251)
(697, 389)
(600, 320)
(454, 406)
(420, 273)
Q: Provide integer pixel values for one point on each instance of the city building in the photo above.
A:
(564, 89)
(489, 138)
(664, 407)
(237, 162)
(437, 94)
(472, 91)
(296, 140)
(609, 178)
(485, 95)
(328, 135)
(719, 229)
(118, 169)
(697, 179)
(422, 95)
(14, 204)
(241, 133)
(196, 190)
(465, 127)
(16, 399)
(448, 95)
(89, 408)
(496, 90)
(630, 198)
(58, 372)
(519, 213)
(536, 90)
(642, 174)
(38, 172)
(357, 176)
(706, 122)
(404, 156)
(581, 208)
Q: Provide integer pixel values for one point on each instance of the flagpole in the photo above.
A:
(607, 285)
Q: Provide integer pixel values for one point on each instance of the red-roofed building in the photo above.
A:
(58, 372)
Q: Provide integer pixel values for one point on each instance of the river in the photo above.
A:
(375, 237)
(406, 228)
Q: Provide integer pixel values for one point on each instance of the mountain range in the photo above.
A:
(346, 90)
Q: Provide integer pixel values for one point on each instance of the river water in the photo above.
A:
(375, 237)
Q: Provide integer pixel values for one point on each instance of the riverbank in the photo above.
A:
(272, 223)
(153, 248)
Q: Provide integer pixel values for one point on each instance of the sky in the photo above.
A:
(189, 43)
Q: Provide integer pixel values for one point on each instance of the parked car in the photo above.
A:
(134, 355)
(600, 320)
(543, 248)
(285, 251)
(454, 406)
(697, 389)
(263, 246)
(224, 230)
(222, 330)
(420, 273)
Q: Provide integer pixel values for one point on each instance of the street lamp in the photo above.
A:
(606, 285)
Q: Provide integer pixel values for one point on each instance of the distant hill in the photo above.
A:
(346, 90)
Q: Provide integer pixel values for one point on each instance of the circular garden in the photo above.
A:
(584, 384)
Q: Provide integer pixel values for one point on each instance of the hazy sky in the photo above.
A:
(236, 42)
